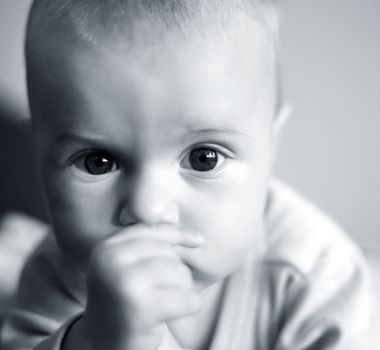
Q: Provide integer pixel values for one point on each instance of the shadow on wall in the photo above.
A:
(20, 189)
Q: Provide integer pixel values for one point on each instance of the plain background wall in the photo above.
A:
(331, 146)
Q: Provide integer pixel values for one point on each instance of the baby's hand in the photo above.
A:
(136, 282)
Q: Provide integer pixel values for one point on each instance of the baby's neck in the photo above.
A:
(195, 332)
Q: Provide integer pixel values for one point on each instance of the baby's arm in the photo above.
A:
(19, 236)
(130, 295)
(47, 297)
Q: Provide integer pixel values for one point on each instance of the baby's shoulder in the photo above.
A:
(311, 272)
(302, 237)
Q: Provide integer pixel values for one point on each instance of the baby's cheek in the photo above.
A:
(231, 230)
(242, 218)
(83, 214)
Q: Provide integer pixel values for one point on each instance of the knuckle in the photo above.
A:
(135, 287)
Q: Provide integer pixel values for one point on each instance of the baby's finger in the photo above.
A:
(131, 251)
(153, 272)
(167, 233)
(171, 303)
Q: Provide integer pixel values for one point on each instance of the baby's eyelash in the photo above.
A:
(223, 150)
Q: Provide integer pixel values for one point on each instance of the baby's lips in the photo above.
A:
(191, 239)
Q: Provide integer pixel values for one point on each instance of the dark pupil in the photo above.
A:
(203, 159)
(98, 164)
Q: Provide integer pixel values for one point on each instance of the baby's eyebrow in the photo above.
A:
(83, 139)
(69, 137)
(73, 138)
(216, 131)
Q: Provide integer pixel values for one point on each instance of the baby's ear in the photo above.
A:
(280, 120)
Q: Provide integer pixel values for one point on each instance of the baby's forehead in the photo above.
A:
(141, 37)
(182, 87)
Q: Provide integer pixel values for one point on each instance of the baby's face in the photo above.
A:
(179, 134)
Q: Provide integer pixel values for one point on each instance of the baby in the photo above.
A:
(155, 124)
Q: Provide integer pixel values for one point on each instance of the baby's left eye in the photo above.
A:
(203, 159)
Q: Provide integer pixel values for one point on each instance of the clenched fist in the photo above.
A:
(136, 282)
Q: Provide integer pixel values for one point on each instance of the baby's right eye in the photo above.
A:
(96, 163)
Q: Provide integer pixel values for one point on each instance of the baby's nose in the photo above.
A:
(151, 201)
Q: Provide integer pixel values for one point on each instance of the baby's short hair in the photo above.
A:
(89, 21)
